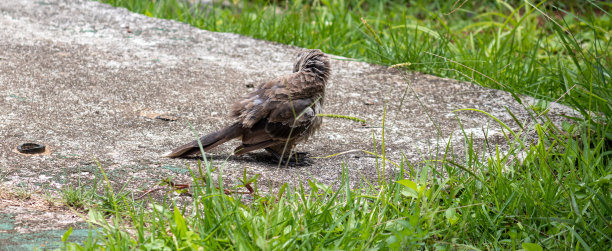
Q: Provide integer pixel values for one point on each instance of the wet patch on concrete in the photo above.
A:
(41, 240)
(30, 221)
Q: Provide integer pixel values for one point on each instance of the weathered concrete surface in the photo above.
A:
(74, 77)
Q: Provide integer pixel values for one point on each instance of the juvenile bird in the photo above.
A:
(277, 115)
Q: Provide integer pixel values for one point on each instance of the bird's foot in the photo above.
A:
(293, 159)
(298, 159)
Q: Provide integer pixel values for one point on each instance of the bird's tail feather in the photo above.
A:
(208, 142)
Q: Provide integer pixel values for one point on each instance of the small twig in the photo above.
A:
(228, 192)
(170, 184)
(250, 188)
(148, 192)
(456, 8)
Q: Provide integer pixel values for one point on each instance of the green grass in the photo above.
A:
(553, 192)
(74, 196)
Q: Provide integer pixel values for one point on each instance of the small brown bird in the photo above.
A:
(277, 115)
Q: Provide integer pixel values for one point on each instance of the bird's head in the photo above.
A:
(314, 61)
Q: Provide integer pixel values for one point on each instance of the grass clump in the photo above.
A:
(74, 196)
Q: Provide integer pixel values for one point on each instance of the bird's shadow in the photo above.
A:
(262, 158)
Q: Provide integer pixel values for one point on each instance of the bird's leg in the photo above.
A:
(290, 157)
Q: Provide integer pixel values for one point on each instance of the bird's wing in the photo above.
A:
(258, 104)
(293, 113)
(286, 119)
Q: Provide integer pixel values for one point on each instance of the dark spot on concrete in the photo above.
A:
(31, 148)
(166, 117)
